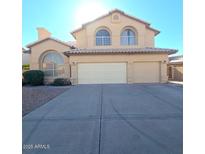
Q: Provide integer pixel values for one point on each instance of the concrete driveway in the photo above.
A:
(108, 119)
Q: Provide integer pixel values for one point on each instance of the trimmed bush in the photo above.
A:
(34, 77)
(61, 82)
(24, 82)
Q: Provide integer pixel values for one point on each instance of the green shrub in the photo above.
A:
(24, 82)
(61, 82)
(34, 77)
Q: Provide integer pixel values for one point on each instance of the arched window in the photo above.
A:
(103, 37)
(53, 64)
(128, 37)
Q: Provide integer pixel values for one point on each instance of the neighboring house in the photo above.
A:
(114, 48)
(175, 68)
(25, 56)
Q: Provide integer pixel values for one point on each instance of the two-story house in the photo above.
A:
(114, 48)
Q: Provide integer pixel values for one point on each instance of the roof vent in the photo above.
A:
(115, 17)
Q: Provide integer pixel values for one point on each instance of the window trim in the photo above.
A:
(128, 37)
(103, 37)
(42, 58)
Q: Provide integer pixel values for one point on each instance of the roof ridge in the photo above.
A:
(110, 12)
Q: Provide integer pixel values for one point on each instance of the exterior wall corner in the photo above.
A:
(163, 68)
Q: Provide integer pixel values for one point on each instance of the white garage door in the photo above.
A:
(102, 73)
(146, 72)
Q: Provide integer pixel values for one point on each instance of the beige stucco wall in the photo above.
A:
(176, 72)
(149, 38)
(38, 50)
(86, 37)
(81, 40)
(129, 59)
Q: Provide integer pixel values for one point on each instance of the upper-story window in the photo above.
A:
(103, 37)
(128, 37)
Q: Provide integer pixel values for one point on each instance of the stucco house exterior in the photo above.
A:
(114, 48)
(175, 68)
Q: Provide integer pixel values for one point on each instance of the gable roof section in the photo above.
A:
(113, 11)
(49, 38)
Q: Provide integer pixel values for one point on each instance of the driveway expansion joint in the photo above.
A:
(161, 99)
(141, 132)
(101, 110)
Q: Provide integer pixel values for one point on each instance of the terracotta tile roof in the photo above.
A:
(117, 10)
(119, 51)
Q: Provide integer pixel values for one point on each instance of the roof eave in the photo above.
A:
(27, 51)
(68, 53)
(172, 52)
(40, 41)
(153, 29)
(181, 62)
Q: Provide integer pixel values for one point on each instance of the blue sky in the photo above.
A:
(61, 17)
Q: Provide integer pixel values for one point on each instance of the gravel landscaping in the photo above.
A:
(34, 97)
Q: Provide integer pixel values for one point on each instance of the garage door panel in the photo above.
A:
(146, 72)
(102, 73)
